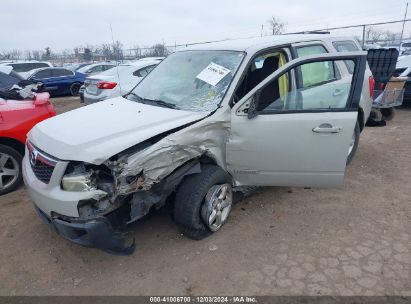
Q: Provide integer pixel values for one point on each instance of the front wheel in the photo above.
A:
(10, 169)
(352, 149)
(203, 202)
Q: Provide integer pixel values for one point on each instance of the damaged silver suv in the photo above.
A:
(208, 120)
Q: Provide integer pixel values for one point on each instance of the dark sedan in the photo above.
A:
(59, 81)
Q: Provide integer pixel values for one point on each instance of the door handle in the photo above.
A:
(327, 128)
(338, 92)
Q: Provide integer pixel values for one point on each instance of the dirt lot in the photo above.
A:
(349, 241)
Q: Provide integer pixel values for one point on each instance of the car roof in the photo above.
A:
(255, 44)
(92, 65)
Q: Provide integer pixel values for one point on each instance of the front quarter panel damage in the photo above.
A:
(152, 164)
(146, 176)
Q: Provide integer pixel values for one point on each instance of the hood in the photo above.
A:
(96, 132)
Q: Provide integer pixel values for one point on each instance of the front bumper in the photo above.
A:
(51, 201)
(98, 233)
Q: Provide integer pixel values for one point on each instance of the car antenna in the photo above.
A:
(118, 61)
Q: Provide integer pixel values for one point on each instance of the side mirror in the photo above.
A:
(252, 109)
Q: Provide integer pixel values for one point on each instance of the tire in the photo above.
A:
(192, 201)
(75, 88)
(354, 143)
(388, 113)
(10, 160)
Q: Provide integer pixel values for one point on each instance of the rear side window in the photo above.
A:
(98, 68)
(42, 74)
(7, 80)
(108, 67)
(143, 72)
(346, 46)
(316, 73)
(21, 67)
(37, 65)
(25, 67)
(61, 72)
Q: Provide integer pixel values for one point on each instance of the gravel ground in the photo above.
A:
(280, 241)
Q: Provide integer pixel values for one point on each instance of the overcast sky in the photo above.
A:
(65, 24)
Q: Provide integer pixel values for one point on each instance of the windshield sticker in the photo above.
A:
(213, 73)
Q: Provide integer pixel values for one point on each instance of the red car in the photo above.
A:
(17, 117)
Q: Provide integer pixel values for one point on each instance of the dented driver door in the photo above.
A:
(299, 137)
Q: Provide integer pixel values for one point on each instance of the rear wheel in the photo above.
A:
(203, 202)
(10, 169)
(75, 88)
(354, 143)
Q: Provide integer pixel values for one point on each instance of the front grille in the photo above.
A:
(41, 163)
(42, 171)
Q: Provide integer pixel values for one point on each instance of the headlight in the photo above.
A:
(79, 182)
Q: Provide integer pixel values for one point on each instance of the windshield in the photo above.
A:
(190, 80)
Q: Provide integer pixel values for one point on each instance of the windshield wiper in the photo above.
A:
(155, 101)
(163, 103)
(139, 99)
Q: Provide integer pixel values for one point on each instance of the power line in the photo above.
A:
(359, 25)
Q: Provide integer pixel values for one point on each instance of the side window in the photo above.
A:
(42, 74)
(37, 65)
(95, 69)
(346, 46)
(259, 69)
(107, 67)
(318, 72)
(324, 96)
(61, 72)
(21, 67)
(144, 71)
(398, 72)
(7, 80)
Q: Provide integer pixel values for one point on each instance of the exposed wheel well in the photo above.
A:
(13, 143)
(361, 118)
(204, 159)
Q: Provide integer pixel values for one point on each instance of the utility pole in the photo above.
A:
(403, 24)
(363, 36)
(262, 29)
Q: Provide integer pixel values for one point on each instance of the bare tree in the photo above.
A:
(137, 51)
(11, 55)
(391, 37)
(27, 55)
(113, 51)
(373, 34)
(106, 50)
(157, 50)
(277, 26)
(37, 54)
(47, 53)
(117, 48)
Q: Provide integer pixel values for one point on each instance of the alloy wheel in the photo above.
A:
(217, 206)
(9, 171)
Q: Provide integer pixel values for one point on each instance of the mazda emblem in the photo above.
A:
(33, 157)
